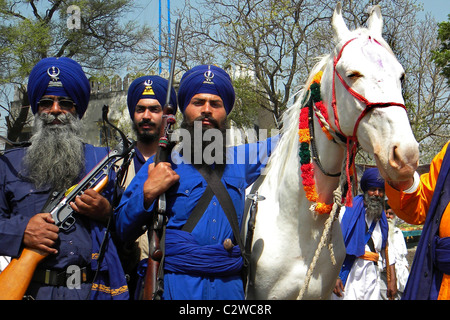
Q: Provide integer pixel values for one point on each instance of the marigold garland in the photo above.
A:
(307, 168)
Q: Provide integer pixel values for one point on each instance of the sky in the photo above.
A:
(440, 9)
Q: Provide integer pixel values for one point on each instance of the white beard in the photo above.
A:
(56, 155)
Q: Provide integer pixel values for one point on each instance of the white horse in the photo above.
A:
(287, 231)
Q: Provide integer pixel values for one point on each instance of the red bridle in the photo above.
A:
(369, 106)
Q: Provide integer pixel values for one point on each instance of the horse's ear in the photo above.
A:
(375, 21)
(337, 22)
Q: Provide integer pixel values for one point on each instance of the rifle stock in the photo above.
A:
(16, 278)
(154, 260)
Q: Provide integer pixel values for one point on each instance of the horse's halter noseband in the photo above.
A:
(369, 105)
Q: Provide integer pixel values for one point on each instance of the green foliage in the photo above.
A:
(246, 107)
(442, 56)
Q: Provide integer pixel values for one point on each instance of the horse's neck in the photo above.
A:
(331, 157)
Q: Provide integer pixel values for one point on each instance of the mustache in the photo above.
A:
(63, 118)
(210, 119)
(146, 122)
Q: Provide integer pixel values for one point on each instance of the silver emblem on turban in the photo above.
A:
(209, 75)
(54, 73)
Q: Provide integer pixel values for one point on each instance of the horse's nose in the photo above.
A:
(404, 158)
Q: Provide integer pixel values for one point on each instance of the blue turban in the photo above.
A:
(59, 77)
(371, 179)
(206, 79)
(149, 87)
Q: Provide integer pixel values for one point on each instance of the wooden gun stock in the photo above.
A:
(16, 277)
(154, 261)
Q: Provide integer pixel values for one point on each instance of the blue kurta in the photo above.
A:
(186, 279)
(20, 200)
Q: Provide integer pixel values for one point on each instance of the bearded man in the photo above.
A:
(200, 261)
(365, 231)
(57, 159)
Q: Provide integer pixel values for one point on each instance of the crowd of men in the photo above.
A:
(203, 257)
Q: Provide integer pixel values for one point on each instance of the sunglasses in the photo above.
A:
(64, 103)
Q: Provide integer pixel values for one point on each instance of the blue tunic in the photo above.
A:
(20, 200)
(212, 229)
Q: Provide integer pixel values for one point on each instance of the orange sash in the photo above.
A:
(370, 256)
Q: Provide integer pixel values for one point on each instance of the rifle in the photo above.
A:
(16, 277)
(154, 286)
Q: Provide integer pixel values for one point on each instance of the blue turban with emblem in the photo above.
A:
(149, 87)
(62, 77)
(371, 179)
(206, 79)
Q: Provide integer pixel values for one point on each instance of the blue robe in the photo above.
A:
(189, 256)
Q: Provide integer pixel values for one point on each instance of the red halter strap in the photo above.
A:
(369, 106)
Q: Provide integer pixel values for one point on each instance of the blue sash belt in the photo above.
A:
(184, 255)
(441, 254)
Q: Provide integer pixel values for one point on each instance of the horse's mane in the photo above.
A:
(289, 132)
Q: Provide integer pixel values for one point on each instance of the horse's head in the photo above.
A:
(366, 96)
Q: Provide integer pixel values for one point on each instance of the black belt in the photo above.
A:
(60, 277)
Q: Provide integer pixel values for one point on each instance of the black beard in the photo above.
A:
(374, 206)
(56, 155)
(146, 137)
(194, 146)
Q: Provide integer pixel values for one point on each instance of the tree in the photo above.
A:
(91, 33)
(442, 55)
(425, 91)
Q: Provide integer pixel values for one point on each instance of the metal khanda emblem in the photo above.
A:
(209, 75)
(148, 91)
(54, 73)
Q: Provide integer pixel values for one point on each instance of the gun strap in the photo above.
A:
(201, 205)
(221, 193)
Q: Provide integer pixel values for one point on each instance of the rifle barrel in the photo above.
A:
(172, 68)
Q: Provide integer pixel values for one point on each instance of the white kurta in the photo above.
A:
(397, 247)
(363, 279)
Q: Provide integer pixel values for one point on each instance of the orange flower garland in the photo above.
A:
(307, 167)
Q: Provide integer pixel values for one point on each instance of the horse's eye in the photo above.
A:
(402, 78)
(354, 75)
